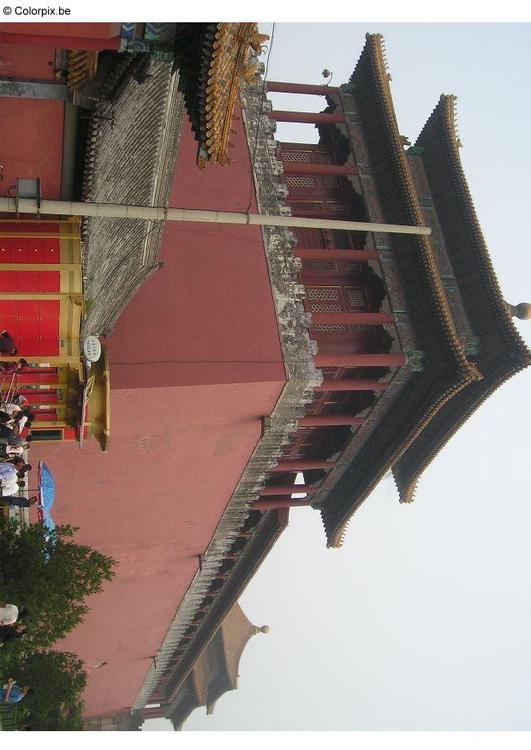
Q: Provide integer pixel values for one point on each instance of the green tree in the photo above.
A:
(49, 575)
(57, 679)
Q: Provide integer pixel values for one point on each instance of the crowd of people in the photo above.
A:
(15, 421)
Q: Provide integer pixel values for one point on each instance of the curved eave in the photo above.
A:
(505, 353)
(269, 528)
(225, 63)
(236, 632)
(370, 85)
(412, 410)
(442, 428)
(372, 73)
(440, 145)
(219, 693)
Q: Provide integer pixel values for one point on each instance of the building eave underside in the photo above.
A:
(483, 299)
(446, 368)
(236, 632)
(485, 304)
(182, 709)
(266, 534)
(302, 377)
(503, 352)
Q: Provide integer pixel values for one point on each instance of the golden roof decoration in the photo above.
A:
(81, 67)
(228, 59)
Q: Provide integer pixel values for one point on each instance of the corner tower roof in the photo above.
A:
(432, 404)
(216, 670)
(502, 352)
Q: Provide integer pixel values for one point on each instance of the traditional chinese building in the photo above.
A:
(214, 673)
(41, 305)
(340, 355)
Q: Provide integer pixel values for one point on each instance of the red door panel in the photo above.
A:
(46, 375)
(49, 309)
(8, 281)
(9, 309)
(36, 251)
(27, 281)
(51, 250)
(48, 281)
(20, 250)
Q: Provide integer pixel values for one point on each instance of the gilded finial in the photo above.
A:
(521, 311)
(263, 629)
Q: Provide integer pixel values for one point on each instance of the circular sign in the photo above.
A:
(92, 348)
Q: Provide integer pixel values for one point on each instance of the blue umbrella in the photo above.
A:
(47, 495)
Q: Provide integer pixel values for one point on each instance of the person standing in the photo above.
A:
(12, 693)
(9, 367)
(8, 613)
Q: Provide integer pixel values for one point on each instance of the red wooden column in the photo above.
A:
(292, 167)
(330, 420)
(391, 359)
(276, 503)
(306, 253)
(283, 87)
(351, 384)
(352, 318)
(311, 117)
(60, 42)
(303, 464)
(287, 489)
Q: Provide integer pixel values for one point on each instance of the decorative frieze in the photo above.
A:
(302, 376)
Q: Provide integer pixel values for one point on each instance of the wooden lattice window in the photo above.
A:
(302, 182)
(325, 299)
(319, 265)
(309, 238)
(307, 156)
(311, 206)
(336, 298)
(329, 373)
(357, 298)
(331, 182)
(330, 328)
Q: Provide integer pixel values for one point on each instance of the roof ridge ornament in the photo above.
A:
(522, 311)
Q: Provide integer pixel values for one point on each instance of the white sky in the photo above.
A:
(422, 619)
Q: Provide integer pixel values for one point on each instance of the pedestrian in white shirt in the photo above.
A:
(10, 408)
(16, 450)
(11, 474)
(8, 613)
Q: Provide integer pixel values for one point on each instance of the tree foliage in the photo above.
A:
(57, 680)
(50, 575)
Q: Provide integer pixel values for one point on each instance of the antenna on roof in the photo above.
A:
(327, 74)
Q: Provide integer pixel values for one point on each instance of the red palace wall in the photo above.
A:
(31, 130)
(188, 390)
(83, 30)
(152, 502)
(207, 316)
